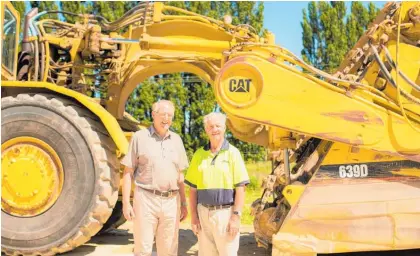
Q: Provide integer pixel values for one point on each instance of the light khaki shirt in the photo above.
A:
(156, 162)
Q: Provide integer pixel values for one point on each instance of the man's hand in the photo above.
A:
(128, 212)
(184, 212)
(126, 191)
(233, 225)
(195, 224)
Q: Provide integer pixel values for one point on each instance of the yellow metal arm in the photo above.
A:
(274, 95)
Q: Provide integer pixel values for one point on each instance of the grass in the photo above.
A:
(250, 197)
(256, 171)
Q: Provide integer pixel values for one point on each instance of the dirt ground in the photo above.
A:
(120, 242)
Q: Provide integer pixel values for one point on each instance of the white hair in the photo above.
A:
(215, 115)
(156, 106)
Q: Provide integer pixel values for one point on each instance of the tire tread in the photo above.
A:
(103, 150)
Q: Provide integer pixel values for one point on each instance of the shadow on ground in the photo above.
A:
(415, 252)
(119, 242)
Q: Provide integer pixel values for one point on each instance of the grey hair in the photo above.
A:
(214, 115)
(156, 106)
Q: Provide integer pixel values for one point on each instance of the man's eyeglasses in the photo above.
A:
(167, 115)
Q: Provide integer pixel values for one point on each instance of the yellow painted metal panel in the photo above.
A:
(292, 193)
(343, 153)
(342, 218)
(295, 101)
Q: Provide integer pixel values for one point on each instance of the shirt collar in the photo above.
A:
(225, 145)
(152, 131)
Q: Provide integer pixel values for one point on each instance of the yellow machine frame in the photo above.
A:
(331, 129)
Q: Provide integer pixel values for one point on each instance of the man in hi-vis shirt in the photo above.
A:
(217, 177)
(155, 160)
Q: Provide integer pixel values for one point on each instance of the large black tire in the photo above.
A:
(117, 219)
(91, 178)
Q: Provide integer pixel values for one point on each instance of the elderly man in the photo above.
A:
(217, 177)
(155, 160)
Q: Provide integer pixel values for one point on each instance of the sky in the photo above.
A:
(283, 19)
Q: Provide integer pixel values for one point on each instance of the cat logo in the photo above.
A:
(239, 85)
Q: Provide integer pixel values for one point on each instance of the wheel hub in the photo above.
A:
(32, 176)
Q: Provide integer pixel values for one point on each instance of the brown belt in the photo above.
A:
(217, 207)
(162, 194)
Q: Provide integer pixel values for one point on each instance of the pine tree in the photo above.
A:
(359, 20)
(140, 102)
(74, 7)
(329, 32)
(372, 12)
(110, 10)
(200, 102)
(333, 33)
(246, 12)
(170, 87)
(313, 50)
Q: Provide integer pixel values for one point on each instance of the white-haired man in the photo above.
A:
(155, 160)
(217, 177)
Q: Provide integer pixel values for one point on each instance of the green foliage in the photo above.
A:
(329, 32)
(140, 102)
(77, 7)
(110, 10)
(170, 87)
(199, 102)
(21, 8)
(46, 6)
(242, 12)
(250, 196)
(256, 171)
(253, 183)
(250, 152)
(358, 21)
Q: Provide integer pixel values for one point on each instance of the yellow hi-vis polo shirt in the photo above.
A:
(215, 176)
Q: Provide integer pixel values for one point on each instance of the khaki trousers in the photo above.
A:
(213, 239)
(155, 216)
